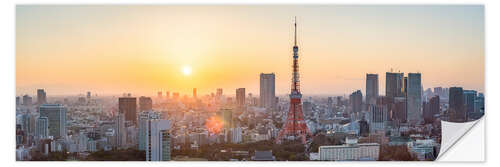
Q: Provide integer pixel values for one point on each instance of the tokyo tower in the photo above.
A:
(295, 126)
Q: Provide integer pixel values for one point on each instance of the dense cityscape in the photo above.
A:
(404, 124)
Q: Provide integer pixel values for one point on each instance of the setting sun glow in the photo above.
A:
(186, 70)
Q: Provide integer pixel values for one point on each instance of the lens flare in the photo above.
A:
(214, 124)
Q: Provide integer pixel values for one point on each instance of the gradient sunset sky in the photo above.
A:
(143, 49)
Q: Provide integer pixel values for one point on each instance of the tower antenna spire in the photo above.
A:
(295, 24)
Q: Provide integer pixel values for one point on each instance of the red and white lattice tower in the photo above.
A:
(295, 126)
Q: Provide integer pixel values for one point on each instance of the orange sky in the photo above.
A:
(142, 49)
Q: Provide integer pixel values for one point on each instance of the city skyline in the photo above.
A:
(139, 50)
(145, 56)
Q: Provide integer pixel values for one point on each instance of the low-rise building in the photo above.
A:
(351, 151)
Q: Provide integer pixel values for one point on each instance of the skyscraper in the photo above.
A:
(378, 116)
(330, 105)
(226, 115)
(128, 106)
(356, 101)
(41, 96)
(394, 84)
(469, 97)
(414, 97)
(27, 100)
(399, 110)
(145, 103)
(267, 90)
(144, 120)
(175, 95)
(194, 93)
(219, 92)
(159, 95)
(456, 110)
(479, 103)
(371, 88)
(56, 114)
(431, 108)
(120, 132)
(364, 128)
(157, 137)
(240, 97)
(42, 128)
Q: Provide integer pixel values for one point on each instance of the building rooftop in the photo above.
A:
(351, 146)
(263, 156)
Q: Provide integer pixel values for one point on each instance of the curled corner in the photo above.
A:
(452, 132)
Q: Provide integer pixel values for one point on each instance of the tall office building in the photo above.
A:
(307, 107)
(414, 97)
(431, 109)
(144, 119)
(41, 96)
(120, 132)
(145, 103)
(267, 91)
(42, 128)
(175, 95)
(399, 110)
(156, 137)
(219, 92)
(364, 128)
(27, 100)
(456, 110)
(18, 100)
(438, 91)
(330, 105)
(236, 135)
(479, 103)
(378, 113)
(159, 95)
(56, 114)
(240, 97)
(356, 101)
(405, 86)
(378, 116)
(89, 95)
(226, 115)
(194, 93)
(394, 84)
(28, 122)
(469, 97)
(128, 106)
(371, 88)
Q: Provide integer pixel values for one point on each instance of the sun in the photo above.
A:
(186, 70)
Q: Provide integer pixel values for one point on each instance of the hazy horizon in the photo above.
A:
(142, 49)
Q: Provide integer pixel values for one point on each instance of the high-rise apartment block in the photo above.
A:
(356, 101)
(267, 91)
(371, 88)
(56, 114)
(145, 103)
(128, 106)
(414, 97)
(394, 84)
(456, 110)
(240, 97)
(41, 96)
